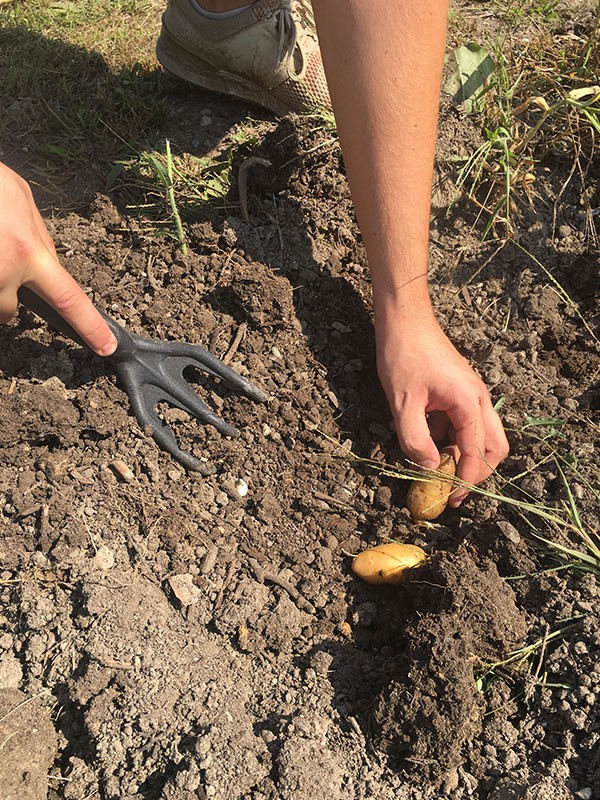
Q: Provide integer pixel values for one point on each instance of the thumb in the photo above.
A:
(414, 436)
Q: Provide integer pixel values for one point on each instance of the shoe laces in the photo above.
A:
(286, 17)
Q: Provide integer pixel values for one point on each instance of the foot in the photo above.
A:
(267, 53)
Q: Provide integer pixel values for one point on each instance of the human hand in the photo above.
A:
(28, 258)
(434, 394)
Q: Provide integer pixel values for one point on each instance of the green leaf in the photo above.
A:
(113, 175)
(474, 66)
(161, 172)
(58, 150)
(543, 421)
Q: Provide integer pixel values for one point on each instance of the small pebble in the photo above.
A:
(564, 231)
(451, 781)
(209, 560)
(124, 472)
(104, 558)
(184, 588)
(508, 530)
(584, 794)
(241, 487)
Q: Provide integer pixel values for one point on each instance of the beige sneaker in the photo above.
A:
(268, 53)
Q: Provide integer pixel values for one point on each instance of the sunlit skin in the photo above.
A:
(383, 61)
(28, 258)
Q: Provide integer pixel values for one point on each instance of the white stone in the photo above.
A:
(184, 588)
(105, 558)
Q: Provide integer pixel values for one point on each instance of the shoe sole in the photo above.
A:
(195, 70)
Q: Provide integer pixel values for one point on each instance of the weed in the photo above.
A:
(534, 101)
(534, 677)
(523, 12)
(171, 195)
(191, 181)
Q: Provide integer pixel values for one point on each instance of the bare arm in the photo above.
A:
(28, 258)
(383, 60)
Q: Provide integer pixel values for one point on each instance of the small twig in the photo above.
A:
(243, 180)
(332, 501)
(154, 282)
(226, 582)
(44, 529)
(8, 738)
(263, 574)
(532, 682)
(355, 726)
(241, 332)
(482, 266)
(112, 663)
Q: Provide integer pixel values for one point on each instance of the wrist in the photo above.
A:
(409, 304)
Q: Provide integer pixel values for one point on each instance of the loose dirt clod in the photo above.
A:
(184, 589)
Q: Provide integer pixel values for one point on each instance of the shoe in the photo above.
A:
(268, 53)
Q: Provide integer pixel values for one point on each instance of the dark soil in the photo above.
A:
(282, 676)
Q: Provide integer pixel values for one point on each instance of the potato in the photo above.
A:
(387, 563)
(427, 499)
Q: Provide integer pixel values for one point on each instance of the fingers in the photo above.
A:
(54, 285)
(28, 258)
(496, 443)
(414, 435)
(482, 443)
(8, 304)
(438, 425)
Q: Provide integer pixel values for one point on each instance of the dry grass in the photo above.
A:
(79, 80)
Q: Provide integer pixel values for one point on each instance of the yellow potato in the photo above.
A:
(387, 563)
(428, 498)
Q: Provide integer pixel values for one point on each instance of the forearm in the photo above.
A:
(383, 61)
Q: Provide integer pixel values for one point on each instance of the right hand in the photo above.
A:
(28, 258)
(434, 394)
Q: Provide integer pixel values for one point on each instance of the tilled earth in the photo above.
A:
(171, 636)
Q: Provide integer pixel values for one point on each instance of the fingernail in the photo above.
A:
(429, 464)
(109, 348)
